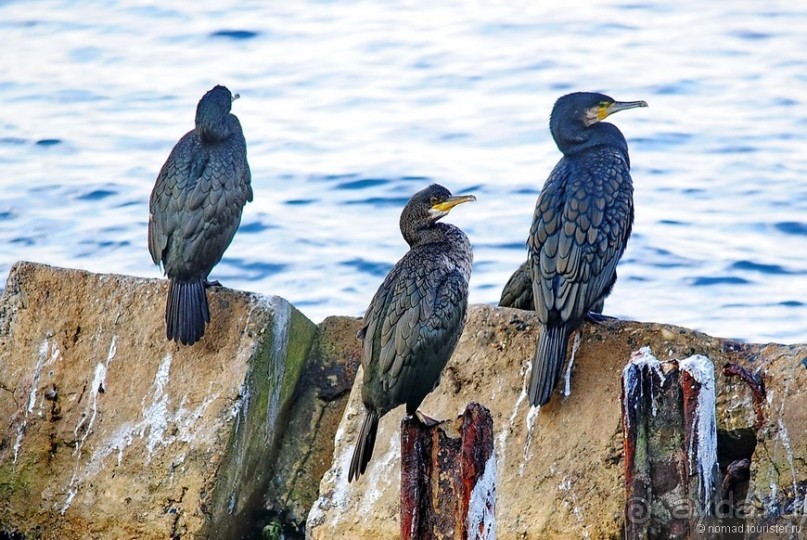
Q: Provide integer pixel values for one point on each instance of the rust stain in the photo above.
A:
(439, 472)
(757, 387)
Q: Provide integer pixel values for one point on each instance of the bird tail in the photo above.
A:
(550, 353)
(186, 311)
(364, 445)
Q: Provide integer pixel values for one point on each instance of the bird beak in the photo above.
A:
(617, 106)
(451, 202)
(236, 96)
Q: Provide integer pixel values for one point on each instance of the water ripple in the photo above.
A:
(705, 281)
(350, 108)
(378, 269)
(235, 34)
(792, 227)
(363, 183)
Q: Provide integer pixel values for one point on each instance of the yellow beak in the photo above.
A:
(451, 202)
(617, 106)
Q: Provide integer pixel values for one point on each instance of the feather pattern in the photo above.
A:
(195, 207)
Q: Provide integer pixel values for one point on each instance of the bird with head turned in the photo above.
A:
(415, 319)
(195, 209)
(581, 225)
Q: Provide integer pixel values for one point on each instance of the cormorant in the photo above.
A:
(416, 317)
(517, 292)
(195, 209)
(582, 221)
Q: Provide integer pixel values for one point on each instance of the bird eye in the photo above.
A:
(433, 201)
(604, 104)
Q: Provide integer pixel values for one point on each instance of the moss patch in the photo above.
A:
(274, 372)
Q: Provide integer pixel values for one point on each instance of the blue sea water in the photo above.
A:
(349, 107)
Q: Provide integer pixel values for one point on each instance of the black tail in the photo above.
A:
(364, 445)
(186, 311)
(550, 354)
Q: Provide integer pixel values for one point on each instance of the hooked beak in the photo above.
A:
(236, 96)
(451, 202)
(617, 106)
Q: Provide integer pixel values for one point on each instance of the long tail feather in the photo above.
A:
(186, 311)
(550, 354)
(364, 445)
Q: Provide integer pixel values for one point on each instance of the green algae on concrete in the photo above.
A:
(319, 403)
(260, 421)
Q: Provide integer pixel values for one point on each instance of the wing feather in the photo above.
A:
(416, 314)
(580, 227)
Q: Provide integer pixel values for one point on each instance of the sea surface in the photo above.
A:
(349, 107)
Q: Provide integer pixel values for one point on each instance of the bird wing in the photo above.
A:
(517, 292)
(580, 227)
(416, 312)
(196, 204)
(168, 196)
(376, 314)
(415, 369)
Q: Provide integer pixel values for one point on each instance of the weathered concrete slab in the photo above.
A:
(319, 403)
(560, 468)
(110, 431)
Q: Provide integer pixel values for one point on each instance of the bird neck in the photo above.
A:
(572, 142)
(212, 130)
(426, 233)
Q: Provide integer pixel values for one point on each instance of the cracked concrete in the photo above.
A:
(308, 443)
(113, 432)
(185, 448)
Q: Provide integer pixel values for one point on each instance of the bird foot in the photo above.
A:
(209, 284)
(427, 421)
(598, 318)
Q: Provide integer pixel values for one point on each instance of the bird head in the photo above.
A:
(212, 113)
(574, 113)
(440, 201)
(429, 205)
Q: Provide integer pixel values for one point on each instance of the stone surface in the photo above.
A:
(319, 403)
(560, 467)
(779, 467)
(110, 431)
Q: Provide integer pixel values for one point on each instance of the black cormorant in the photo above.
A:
(416, 317)
(195, 209)
(517, 292)
(582, 221)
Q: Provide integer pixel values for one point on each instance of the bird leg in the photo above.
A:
(209, 284)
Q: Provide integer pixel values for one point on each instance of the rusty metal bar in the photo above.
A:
(670, 445)
(448, 479)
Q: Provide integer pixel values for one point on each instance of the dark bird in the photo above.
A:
(517, 292)
(195, 209)
(582, 221)
(416, 317)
